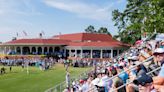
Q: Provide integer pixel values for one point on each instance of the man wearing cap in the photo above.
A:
(144, 82)
(84, 85)
(159, 80)
(124, 76)
(139, 72)
(117, 82)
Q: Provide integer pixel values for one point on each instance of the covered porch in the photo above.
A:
(93, 52)
(30, 49)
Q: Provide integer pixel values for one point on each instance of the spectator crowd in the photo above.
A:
(41, 63)
(129, 72)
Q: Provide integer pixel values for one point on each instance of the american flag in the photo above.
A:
(17, 34)
(24, 32)
(40, 35)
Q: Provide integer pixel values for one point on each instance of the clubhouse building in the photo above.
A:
(76, 45)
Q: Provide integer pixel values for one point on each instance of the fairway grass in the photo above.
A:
(36, 81)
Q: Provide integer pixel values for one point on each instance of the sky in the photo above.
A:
(28, 18)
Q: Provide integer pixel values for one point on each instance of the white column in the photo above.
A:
(42, 49)
(15, 49)
(36, 49)
(75, 53)
(48, 49)
(117, 52)
(21, 48)
(81, 53)
(91, 53)
(4, 52)
(111, 53)
(69, 52)
(101, 53)
(1, 50)
(6, 49)
(30, 49)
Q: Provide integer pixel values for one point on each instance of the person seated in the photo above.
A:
(158, 81)
(117, 83)
(100, 81)
(84, 86)
(124, 76)
(144, 82)
(105, 81)
(132, 87)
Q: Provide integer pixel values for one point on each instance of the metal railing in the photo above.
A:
(57, 88)
(148, 59)
(132, 81)
(60, 87)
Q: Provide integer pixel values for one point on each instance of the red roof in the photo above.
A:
(85, 37)
(39, 41)
(96, 44)
(77, 39)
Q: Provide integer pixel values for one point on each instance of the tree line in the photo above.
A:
(91, 29)
(139, 17)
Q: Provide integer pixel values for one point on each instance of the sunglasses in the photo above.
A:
(142, 83)
(139, 83)
(158, 54)
(145, 84)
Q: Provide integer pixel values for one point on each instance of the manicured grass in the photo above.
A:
(36, 81)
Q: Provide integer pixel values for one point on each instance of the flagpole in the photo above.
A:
(25, 33)
(43, 32)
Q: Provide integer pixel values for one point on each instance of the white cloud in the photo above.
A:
(82, 9)
(17, 7)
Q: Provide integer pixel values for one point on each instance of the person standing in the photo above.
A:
(68, 80)
(10, 68)
(67, 64)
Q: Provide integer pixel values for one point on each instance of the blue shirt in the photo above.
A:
(161, 72)
(162, 46)
(124, 76)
